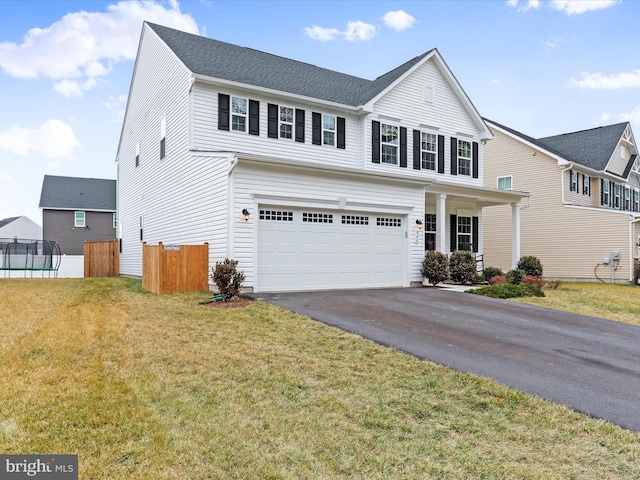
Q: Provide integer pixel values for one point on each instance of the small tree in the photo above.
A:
(531, 266)
(435, 267)
(463, 267)
(227, 278)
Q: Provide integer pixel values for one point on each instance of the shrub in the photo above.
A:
(531, 266)
(498, 280)
(508, 290)
(531, 280)
(552, 284)
(515, 276)
(463, 267)
(636, 273)
(489, 272)
(435, 267)
(227, 278)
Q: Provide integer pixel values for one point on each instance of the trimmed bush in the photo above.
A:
(636, 273)
(515, 276)
(435, 267)
(531, 280)
(531, 266)
(489, 272)
(227, 278)
(498, 280)
(463, 267)
(508, 290)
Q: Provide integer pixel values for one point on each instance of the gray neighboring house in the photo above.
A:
(77, 209)
(21, 228)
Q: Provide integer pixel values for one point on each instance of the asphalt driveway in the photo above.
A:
(589, 364)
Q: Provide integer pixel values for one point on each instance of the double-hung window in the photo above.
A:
(464, 233)
(636, 201)
(239, 114)
(616, 196)
(328, 129)
(605, 192)
(428, 150)
(430, 231)
(79, 220)
(586, 185)
(573, 181)
(389, 140)
(464, 157)
(627, 198)
(286, 122)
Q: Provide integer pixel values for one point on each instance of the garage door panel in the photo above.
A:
(316, 250)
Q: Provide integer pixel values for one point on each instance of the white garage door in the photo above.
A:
(316, 249)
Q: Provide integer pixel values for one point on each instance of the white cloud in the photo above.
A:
(552, 42)
(321, 33)
(633, 116)
(571, 7)
(598, 81)
(81, 47)
(355, 31)
(398, 20)
(495, 81)
(524, 6)
(359, 31)
(53, 139)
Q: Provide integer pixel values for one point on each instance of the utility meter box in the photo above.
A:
(615, 256)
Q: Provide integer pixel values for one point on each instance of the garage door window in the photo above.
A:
(317, 217)
(388, 222)
(355, 220)
(276, 215)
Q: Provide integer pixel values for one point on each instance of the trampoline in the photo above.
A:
(29, 256)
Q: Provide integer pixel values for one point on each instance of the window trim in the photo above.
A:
(77, 223)
(425, 151)
(573, 181)
(586, 185)
(395, 147)
(239, 114)
(459, 233)
(115, 220)
(327, 130)
(510, 177)
(281, 122)
(430, 229)
(464, 163)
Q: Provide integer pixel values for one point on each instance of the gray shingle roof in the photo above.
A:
(244, 65)
(78, 193)
(592, 148)
(7, 221)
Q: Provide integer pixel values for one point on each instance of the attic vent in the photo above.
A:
(427, 93)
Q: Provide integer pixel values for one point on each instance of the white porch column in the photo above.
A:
(440, 221)
(515, 234)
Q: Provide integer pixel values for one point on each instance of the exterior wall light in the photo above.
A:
(245, 215)
(418, 225)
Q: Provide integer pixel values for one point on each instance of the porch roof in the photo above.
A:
(478, 196)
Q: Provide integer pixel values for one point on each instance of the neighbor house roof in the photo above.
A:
(591, 148)
(234, 63)
(6, 221)
(73, 193)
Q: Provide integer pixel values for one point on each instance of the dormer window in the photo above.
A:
(389, 141)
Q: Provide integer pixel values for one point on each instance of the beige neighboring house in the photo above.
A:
(585, 201)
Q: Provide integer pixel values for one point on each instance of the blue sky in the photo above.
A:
(543, 67)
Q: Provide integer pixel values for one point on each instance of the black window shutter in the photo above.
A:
(273, 120)
(223, 112)
(416, 150)
(403, 147)
(601, 191)
(454, 156)
(475, 234)
(254, 117)
(474, 153)
(440, 153)
(316, 128)
(299, 125)
(453, 243)
(611, 194)
(375, 141)
(342, 134)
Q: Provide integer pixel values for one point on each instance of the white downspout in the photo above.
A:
(564, 202)
(231, 208)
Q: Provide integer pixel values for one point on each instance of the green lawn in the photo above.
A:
(143, 386)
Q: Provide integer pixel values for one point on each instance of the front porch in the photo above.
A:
(453, 217)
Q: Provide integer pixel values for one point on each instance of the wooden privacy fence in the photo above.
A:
(175, 268)
(101, 259)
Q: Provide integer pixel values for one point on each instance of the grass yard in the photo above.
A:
(143, 386)
(617, 302)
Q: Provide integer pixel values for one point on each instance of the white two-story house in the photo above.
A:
(310, 178)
